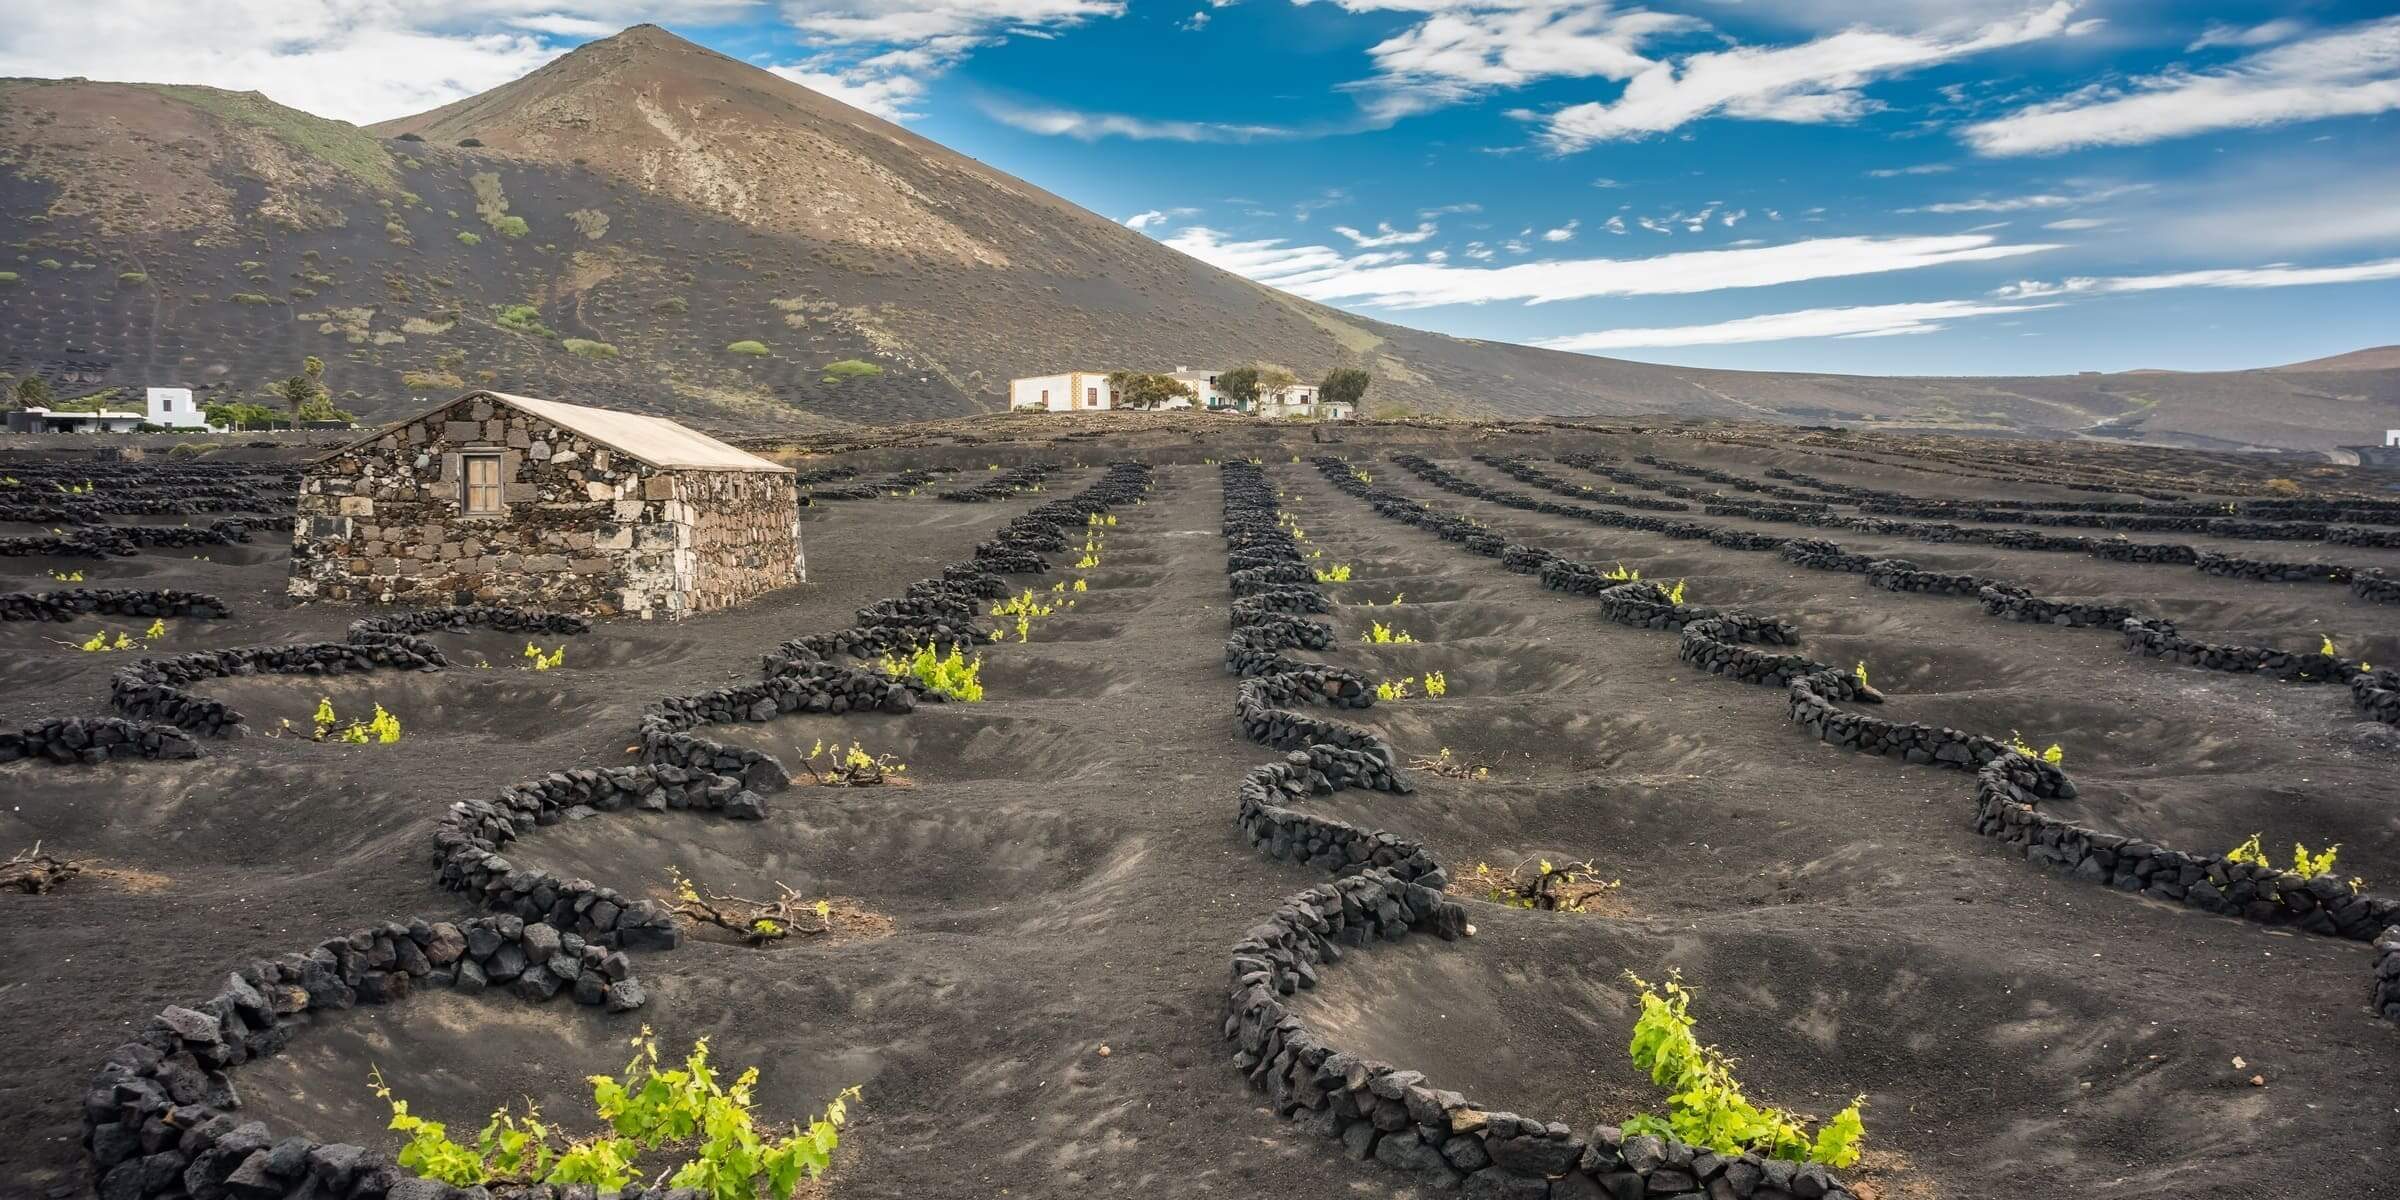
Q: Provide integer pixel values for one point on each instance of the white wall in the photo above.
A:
(174, 407)
(1074, 391)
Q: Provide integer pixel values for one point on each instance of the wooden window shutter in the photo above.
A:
(480, 484)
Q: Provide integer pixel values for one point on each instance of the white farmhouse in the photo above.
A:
(1077, 391)
(173, 408)
(1074, 391)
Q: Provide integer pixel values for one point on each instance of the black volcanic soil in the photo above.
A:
(1063, 874)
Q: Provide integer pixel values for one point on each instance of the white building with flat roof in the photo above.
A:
(1073, 391)
(1077, 391)
(173, 408)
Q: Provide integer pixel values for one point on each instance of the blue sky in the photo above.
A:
(1886, 186)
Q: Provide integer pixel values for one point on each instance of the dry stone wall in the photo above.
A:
(2010, 783)
(159, 1118)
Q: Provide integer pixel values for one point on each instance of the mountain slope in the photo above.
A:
(622, 216)
(2371, 358)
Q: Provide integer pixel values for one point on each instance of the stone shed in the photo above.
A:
(510, 499)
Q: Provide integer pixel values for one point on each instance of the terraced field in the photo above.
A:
(1355, 788)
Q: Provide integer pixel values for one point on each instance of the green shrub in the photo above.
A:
(649, 1107)
(524, 318)
(510, 226)
(249, 298)
(470, 237)
(672, 304)
(588, 348)
(8, 276)
(850, 368)
(754, 349)
(132, 278)
(1705, 1106)
(49, 264)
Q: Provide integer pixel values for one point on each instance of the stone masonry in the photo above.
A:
(582, 526)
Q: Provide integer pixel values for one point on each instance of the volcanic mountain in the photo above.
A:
(649, 224)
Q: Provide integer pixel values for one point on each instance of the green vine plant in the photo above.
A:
(1437, 684)
(1450, 766)
(1380, 634)
(1621, 575)
(1675, 594)
(66, 576)
(1390, 690)
(1337, 573)
(2304, 864)
(2328, 649)
(1705, 1106)
(712, 1125)
(383, 728)
(758, 922)
(1538, 883)
(1025, 608)
(853, 767)
(539, 661)
(1860, 673)
(2055, 755)
(953, 675)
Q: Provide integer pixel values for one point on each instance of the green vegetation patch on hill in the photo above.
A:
(346, 147)
(850, 368)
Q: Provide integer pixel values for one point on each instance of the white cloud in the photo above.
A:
(903, 22)
(1919, 169)
(886, 96)
(1814, 82)
(1158, 216)
(2074, 224)
(1877, 320)
(1614, 225)
(1385, 235)
(566, 26)
(2347, 72)
(1093, 126)
(1196, 22)
(1384, 279)
(336, 58)
(2275, 275)
(1564, 233)
(2266, 33)
(2036, 200)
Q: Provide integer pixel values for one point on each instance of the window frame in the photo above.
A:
(466, 483)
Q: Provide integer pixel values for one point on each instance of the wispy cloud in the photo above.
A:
(1093, 126)
(1919, 169)
(906, 22)
(1563, 233)
(2276, 275)
(1876, 320)
(2353, 71)
(2265, 33)
(1385, 235)
(1158, 216)
(1387, 279)
(2036, 200)
(1814, 82)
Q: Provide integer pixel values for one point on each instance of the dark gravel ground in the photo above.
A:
(1063, 876)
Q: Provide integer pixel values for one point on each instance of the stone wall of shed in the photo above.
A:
(382, 522)
(740, 536)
